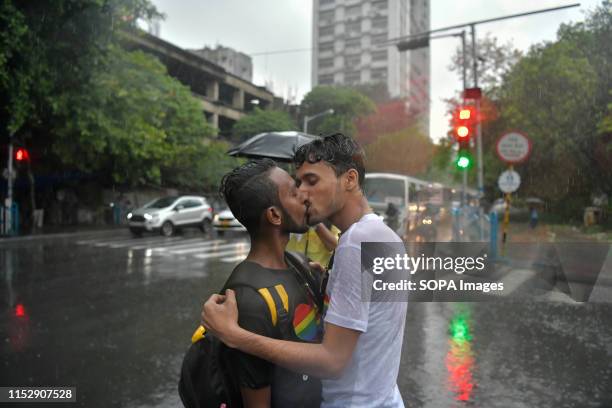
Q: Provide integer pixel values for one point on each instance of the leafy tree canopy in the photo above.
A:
(135, 121)
(347, 103)
(260, 121)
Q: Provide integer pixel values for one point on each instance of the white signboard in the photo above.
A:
(509, 181)
(513, 147)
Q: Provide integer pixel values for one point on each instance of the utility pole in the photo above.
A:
(478, 137)
(8, 203)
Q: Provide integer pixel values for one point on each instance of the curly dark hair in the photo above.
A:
(341, 152)
(248, 191)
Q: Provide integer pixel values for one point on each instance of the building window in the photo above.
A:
(379, 38)
(352, 77)
(325, 31)
(379, 75)
(378, 56)
(326, 79)
(353, 29)
(326, 17)
(353, 11)
(379, 23)
(326, 63)
(353, 43)
(353, 61)
(326, 2)
(379, 5)
(326, 47)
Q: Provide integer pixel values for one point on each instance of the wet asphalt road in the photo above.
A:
(112, 316)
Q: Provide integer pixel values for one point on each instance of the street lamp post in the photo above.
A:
(318, 115)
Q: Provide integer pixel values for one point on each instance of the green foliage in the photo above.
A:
(558, 95)
(348, 105)
(495, 60)
(52, 48)
(201, 167)
(260, 121)
(407, 151)
(69, 89)
(134, 121)
(377, 91)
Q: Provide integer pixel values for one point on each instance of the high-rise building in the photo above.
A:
(348, 39)
(234, 62)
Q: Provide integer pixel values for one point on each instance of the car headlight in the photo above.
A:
(216, 218)
(148, 217)
(129, 216)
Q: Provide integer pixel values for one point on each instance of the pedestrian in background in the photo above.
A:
(533, 217)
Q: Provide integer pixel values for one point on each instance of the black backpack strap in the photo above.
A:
(278, 302)
(309, 279)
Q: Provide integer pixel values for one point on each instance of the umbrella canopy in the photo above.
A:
(279, 146)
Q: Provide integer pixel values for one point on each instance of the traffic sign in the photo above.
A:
(509, 181)
(513, 147)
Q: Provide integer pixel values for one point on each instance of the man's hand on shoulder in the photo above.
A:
(220, 317)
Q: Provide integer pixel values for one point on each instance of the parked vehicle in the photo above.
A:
(167, 214)
(225, 221)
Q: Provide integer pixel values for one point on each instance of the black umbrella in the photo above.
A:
(279, 146)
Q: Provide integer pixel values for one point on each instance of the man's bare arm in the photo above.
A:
(326, 236)
(325, 360)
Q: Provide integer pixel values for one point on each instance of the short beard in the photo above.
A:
(289, 225)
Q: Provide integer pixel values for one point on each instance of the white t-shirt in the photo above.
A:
(370, 379)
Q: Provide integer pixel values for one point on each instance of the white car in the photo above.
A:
(225, 221)
(166, 214)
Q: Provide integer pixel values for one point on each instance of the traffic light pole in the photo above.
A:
(8, 203)
(478, 137)
(464, 73)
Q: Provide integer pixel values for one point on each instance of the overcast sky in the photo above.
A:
(253, 26)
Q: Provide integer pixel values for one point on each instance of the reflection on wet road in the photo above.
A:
(113, 315)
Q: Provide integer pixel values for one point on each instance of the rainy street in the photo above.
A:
(112, 316)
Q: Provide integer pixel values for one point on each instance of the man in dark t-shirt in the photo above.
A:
(277, 303)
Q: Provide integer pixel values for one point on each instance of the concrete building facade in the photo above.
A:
(225, 97)
(347, 39)
(234, 62)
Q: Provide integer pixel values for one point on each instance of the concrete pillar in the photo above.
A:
(212, 90)
(214, 120)
(238, 101)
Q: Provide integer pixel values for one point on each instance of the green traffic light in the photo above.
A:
(464, 160)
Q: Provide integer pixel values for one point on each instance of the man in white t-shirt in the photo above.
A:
(360, 353)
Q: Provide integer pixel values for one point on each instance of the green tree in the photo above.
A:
(494, 61)
(348, 105)
(52, 48)
(135, 121)
(558, 95)
(201, 166)
(407, 151)
(260, 121)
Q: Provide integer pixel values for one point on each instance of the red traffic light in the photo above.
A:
(464, 121)
(22, 155)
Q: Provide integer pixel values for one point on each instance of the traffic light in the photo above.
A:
(22, 155)
(464, 123)
(464, 160)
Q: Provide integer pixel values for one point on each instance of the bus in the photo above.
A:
(415, 199)
(402, 192)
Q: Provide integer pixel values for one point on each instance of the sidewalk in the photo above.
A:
(65, 231)
(521, 232)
